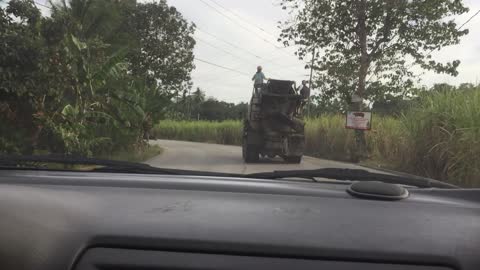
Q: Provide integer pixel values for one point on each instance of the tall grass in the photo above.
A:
(327, 137)
(444, 137)
(438, 138)
(226, 132)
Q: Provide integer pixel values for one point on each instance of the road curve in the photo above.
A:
(227, 158)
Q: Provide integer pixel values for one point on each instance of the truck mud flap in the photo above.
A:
(294, 145)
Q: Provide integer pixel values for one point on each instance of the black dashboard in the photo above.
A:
(82, 220)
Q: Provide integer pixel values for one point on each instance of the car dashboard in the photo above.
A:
(87, 221)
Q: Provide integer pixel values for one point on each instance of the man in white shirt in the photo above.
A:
(258, 79)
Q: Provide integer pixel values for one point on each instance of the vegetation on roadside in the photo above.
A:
(224, 132)
(438, 137)
(135, 155)
(91, 77)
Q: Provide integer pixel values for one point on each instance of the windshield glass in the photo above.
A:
(245, 86)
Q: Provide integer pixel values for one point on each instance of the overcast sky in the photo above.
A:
(265, 14)
(250, 26)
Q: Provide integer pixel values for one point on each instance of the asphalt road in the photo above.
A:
(226, 158)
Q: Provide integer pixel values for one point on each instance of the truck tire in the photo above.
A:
(293, 159)
(249, 152)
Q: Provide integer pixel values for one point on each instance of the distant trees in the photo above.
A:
(197, 106)
(90, 77)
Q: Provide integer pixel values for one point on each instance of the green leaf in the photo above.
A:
(78, 44)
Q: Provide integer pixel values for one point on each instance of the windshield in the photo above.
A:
(245, 86)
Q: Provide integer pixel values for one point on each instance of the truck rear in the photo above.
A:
(274, 126)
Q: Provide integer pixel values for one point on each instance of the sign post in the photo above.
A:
(358, 120)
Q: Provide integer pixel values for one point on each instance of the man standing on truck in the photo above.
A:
(258, 79)
(304, 90)
(305, 93)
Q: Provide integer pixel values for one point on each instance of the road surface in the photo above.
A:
(227, 158)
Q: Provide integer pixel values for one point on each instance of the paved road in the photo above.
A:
(226, 158)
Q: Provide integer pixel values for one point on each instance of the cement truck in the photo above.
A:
(274, 124)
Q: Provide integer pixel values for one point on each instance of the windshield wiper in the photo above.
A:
(99, 165)
(353, 175)
(113, 166)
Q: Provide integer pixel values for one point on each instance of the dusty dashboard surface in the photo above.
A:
(54, 220)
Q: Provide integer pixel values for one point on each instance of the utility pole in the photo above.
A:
(360, 142)
(189, 104)
(310, 82)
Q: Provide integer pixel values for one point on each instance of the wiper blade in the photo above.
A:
(354, 175)
(100, 165)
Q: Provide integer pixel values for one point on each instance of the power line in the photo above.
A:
(241, 18)
(431, 51)
(240, 25)
(459, 28)
(219, 66)
(221, 49)
(467, 21)
(229, 43)
(42, 5)
(216, 47)
(210, 34)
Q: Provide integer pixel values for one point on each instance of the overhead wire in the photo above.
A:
(467, 21)
(220, 66)
(221, 49)
(42, 5)
(207, 33)
(208, 43)
(247, 21)
(431, 51)
(264, 60)
(458, 29)
(242, 26)
(229, 43)
(227, 52)
(241, 18)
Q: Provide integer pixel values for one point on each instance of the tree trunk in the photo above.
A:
(360, 142)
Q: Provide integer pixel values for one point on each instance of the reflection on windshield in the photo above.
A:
(245, 86)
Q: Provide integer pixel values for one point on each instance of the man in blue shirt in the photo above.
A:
(258, 79)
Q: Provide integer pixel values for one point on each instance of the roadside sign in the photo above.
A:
(359, 120)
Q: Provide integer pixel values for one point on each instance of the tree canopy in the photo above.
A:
(370, 47)
(90, 77)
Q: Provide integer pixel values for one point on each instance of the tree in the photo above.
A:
(364, 47)
(22, 54)
(164, 53)
(92, 76)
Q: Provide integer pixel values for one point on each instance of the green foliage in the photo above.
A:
(225, 132)
(165, 45)
(70, 84)
(196, 106)
(397, 32)
(439, 137)
(444, 133)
